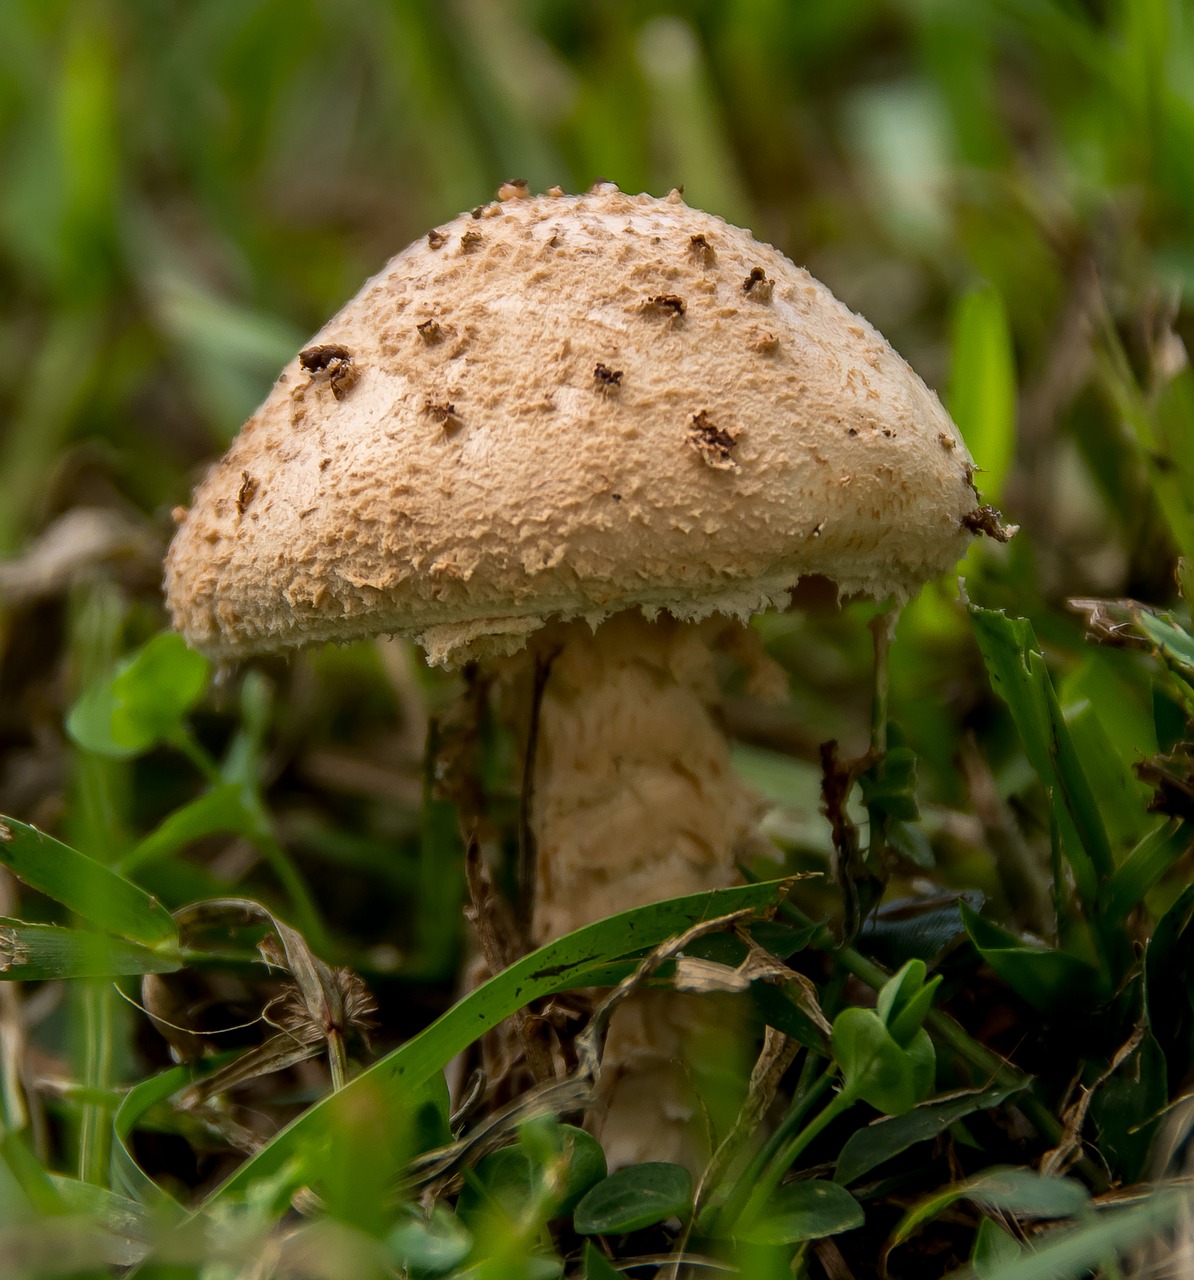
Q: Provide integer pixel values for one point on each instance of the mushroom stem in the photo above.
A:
(634, 800)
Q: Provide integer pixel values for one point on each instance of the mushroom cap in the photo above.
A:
(564, 406)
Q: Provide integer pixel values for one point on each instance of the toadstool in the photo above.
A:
(585, 430)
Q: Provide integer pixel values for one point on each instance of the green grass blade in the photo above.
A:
(31, 952)
(982, 392)
(88, 888)
(217, 811)
(1018, 673)
(127, 1176)
(1145, 866)
(559, 966)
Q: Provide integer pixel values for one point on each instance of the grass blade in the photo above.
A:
(87, 887)
(31, 952)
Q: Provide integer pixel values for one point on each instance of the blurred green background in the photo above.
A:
(1004, 187)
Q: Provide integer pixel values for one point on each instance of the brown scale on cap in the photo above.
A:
(332, 362)
(666, 304)
(607, 379)
(714, 445)
(758, 286)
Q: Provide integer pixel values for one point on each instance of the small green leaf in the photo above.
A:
(636, 1197)
(803, 1211)
(1145, 867)
(127, 1177)
(31, 952)
(905, 1000)
(1175, 642)
(143, 702)
(582, 1157)
(890, 1077)
(889, 786)
(515, 1177)
(1027, 1194)
(88, 888)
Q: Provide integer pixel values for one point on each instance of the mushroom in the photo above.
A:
(612, 448)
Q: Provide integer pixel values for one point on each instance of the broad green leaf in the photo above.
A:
(562, 965)
(869, 1147)
(88, 888)
(143, 701)
(31, 952)
(982, 385)
(803, 1211)
(1044, 977)
(635, 1197)
(1122, 796)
